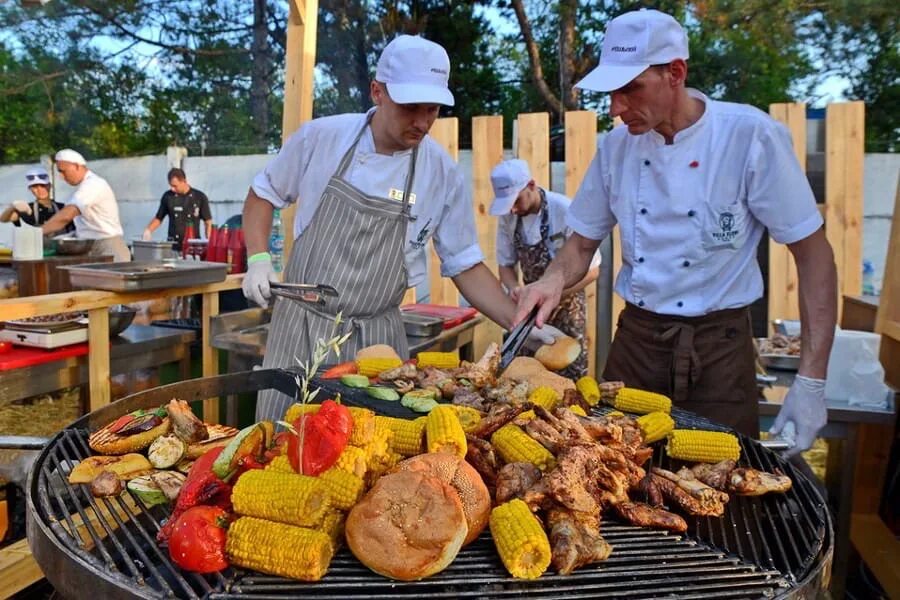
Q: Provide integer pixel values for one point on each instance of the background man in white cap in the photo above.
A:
(692, 184)
(41, 210)
(92, 207)
(530, 231)
(371, 189)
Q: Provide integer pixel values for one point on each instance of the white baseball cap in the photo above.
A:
(36, 176)
(508, 179)
(633, 42)
(69, 155)
(415, 70)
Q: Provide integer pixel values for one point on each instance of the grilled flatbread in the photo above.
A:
(219, 435)
(103, 441)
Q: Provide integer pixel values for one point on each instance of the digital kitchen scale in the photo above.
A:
(38, 337)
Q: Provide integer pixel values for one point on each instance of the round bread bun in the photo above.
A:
(409, 526)
(451, 469)
(104, 441)
(377, 351)
(559, 355)
(526, 368)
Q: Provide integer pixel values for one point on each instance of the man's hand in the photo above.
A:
(804, 406)
(147, 235)
(543, 336)
(256, 280)
(545, 292)
(22, 207)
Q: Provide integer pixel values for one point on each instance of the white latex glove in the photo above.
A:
(147, 235)
(546, 335)
(256, 282)
(804, 407)
(22, 207)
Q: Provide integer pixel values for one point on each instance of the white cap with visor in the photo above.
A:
(37, 176)
(415, 71)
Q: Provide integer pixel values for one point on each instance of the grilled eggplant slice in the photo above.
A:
(147, 491)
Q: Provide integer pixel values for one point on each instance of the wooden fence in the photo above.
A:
(842, 208)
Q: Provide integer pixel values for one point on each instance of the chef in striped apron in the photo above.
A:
(371, 190)
(692, 184)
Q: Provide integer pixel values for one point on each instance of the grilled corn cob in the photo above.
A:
(345, 488)
(297, 409)
(578, 410)
(468, 416)
(279, 549)
(280, 464)
(333, 526)
(524, 417)
(363, 426)
(544, 396)
(372, 367)
(441, 360)
(520, 539)
(514, 445)
(352, 460)
(407, 435)
(642, 402)
(589, 389)
(443, 431)
(703, 446)
(655, 426)
(285, 497)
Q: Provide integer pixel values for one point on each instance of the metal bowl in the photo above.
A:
(73, 246)
(120, 317)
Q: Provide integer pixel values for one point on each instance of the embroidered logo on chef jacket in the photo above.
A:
(419, 242)
(726, 225)
(397, 195)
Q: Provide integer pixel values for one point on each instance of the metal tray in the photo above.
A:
(782, 362)
(422, 326)
(31, 324)
(146, 275)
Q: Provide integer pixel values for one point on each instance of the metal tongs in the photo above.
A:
(516, 338)
(304, 292)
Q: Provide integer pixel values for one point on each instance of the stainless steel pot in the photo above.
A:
(151, 250)
(70, 246)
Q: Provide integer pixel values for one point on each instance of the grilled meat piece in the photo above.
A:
(575, 540)
(680, 498)
(538, 495)
(404, 385)
(432, 377)
(499, 415)
(574, 398)
(544, 434)
(715, 476)
(601, 429)
(185, 423)
(508, 391)
(707, 496)
(465, 397)
(691, 495)
(644, 515)
(582, 481)
(480, 454)
(651, 489)
(515, 479)
(565, 422)
(405, 371)
(750, 482)
(484, 372)
(106, 484)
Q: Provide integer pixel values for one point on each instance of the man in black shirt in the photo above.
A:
(182, 204)
(22, 212)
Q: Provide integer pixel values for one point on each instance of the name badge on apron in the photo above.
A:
(397, 195)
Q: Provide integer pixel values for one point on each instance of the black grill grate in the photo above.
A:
(763, 547)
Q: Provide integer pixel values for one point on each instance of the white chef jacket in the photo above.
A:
(99, 218)
(443, 203)
(691, 214)
(557, 207)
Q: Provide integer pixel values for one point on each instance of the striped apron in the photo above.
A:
(354, 243)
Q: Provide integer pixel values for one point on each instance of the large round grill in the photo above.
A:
(770, 546)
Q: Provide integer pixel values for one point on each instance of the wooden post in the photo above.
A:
(442, 290)
(618, 303)
(581, 145)
(887, 320)
(784, 297)
(210, 354)
(844, 152)
(299, 63)
(98, 360)
(533, 146)
(487, 151)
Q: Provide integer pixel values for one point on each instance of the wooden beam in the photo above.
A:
(487, 151)
(533, 146)
(887, 319)
(442, 290)
(299, 67)
(581, 145)
(784, 297)
(98, 363)
(210, 354)
(879, 549)
(18, 569)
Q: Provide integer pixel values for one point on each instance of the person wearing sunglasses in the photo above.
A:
(41, 209)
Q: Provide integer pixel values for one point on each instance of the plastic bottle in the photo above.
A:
(221, 253)
(188, 236)
(868, 278)
(236, 251)
(276, 242)
(211, 243)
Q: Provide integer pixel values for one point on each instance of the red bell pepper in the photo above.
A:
(325, 434)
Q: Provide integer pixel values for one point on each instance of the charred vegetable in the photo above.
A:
(166, 451)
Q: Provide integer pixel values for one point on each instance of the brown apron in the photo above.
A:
(705, 364)
(354, 243)
(569, 316)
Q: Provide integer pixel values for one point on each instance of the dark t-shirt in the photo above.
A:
(181, 208)
(45, 213)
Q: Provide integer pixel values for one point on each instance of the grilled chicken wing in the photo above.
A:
(405, 371)
(480, 454)
(750, 482)
(515, 479)
(575, 540)
(185, 423)
(691, 495)
(644, 515)
(712, 475)
(499, 415)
